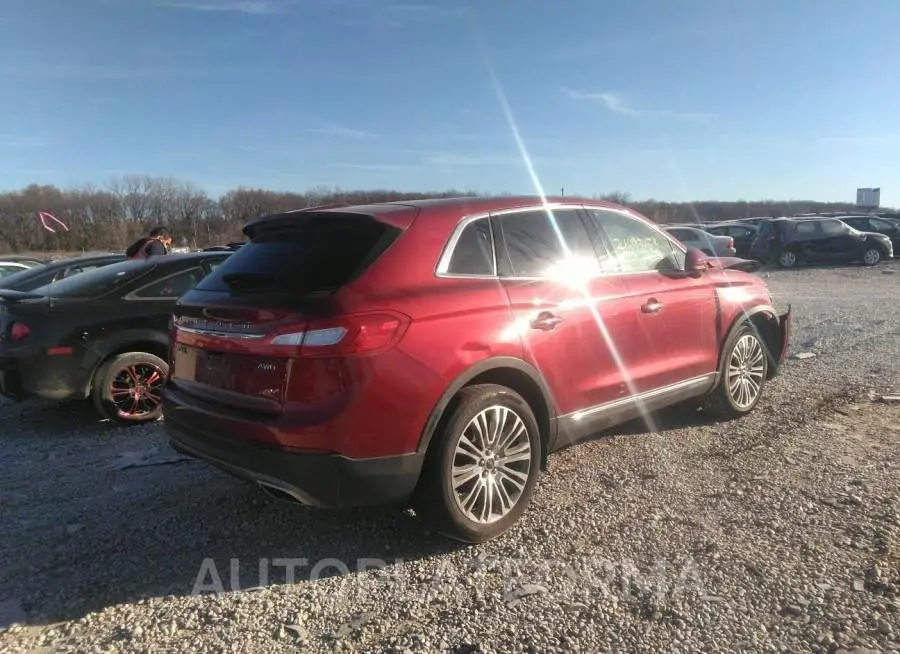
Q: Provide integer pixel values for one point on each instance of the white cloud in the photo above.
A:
(619, 103)
(376, 168)
(236, 6)
(875, 139)
(450, 159)
(341, 131)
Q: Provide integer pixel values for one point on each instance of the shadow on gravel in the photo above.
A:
(82, 535)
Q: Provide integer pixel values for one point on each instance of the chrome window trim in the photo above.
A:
(465, 221)
(134, 297)
(450, 247)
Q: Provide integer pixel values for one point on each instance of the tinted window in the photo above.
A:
(833, 228)
(74, 270)
(636, 246)
(683, 234)
(173, 286)
(531, 245)
(880, 225)
(98, 281)
(302, 254)
(739, 232)
(805, 229)
(473, 253)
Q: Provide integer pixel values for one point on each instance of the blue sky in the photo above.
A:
(698, 99)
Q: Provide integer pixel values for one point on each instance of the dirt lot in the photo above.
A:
(779, 532)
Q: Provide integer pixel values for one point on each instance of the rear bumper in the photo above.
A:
(51, 377)
(313, 479)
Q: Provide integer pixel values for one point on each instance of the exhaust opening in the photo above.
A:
(279, 494)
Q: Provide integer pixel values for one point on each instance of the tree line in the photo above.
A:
(112, 216)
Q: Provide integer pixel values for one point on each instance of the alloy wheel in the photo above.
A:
(136, 390)
(491, 464)
(788, 259)
(871, 257)
(746, 369)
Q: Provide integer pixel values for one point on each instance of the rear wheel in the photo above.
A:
(741, 377)
(871, 256)
(788, 259)
(481, 468)
(128, 388)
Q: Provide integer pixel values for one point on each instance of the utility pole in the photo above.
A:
(562, 192)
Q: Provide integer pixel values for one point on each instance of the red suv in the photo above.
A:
(437, 351)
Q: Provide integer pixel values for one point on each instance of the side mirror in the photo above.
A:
(696, 263)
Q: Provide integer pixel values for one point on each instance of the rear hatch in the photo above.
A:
(272, 310)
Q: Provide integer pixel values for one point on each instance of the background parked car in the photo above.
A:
(742, 233)
(101, 334)
(709, 244)
(53, 271)
(8, 268)
(23, 259)
(790, 241)
(887, 226)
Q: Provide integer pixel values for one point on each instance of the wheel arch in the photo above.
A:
(512, 373)
(145, 340)
(763, 320)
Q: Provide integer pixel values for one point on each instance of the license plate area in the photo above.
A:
(252, 376)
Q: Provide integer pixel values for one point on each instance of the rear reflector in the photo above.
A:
(56, 351)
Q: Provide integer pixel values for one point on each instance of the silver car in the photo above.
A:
(710, 244)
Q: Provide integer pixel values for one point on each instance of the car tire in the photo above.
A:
(127, 388)
(462, 481)
(787, 259)
(871, 256)
(742, 375)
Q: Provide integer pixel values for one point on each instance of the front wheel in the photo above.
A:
(871, 256)
(128, 388)
(481, 469)
(742, 375)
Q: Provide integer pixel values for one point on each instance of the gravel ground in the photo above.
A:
(778, 532)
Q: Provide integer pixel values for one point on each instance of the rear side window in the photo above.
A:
(531, 245)
(302, 254)
(171, 287)
(474, 251)
(97, 282)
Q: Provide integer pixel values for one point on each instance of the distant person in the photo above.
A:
(157, 243)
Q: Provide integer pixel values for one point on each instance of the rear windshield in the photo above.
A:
(96, 282)
(303, 254)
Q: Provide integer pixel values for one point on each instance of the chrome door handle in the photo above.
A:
(545, 321)
(651, 306)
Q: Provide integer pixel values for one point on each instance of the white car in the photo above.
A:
(710, 244)
(11, 267)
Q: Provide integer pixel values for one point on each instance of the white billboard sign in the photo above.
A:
(869, 198)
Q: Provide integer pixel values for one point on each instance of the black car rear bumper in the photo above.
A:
(321, 480)
(54, 377)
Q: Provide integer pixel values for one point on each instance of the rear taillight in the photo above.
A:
(351, 335)
(731, 242)
(18, 331)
